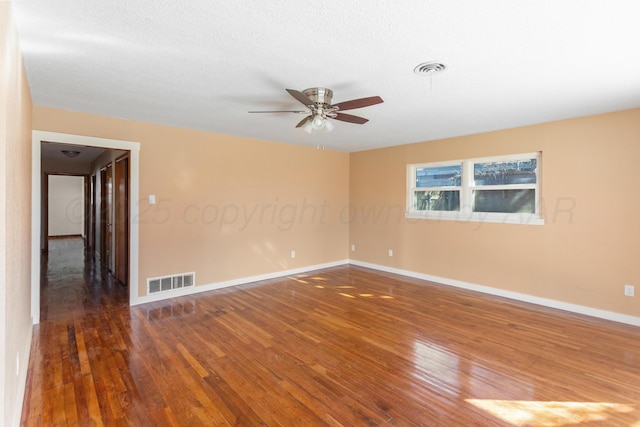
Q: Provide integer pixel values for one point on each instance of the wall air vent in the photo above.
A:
(168, 283)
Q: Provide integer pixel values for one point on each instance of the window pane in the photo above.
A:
(505, 201)
(507, 172)
(440, 176)
(437, 200)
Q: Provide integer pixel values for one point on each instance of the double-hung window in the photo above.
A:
(437, 187)
(494, 189)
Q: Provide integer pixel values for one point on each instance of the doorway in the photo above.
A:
(70, 203)
(131, 209)
(64, 208)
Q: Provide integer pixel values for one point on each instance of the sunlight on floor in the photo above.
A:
(550, 414)
(346, 295)
(300, 278)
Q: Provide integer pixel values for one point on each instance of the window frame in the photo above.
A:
(413, 179)
(467, 188)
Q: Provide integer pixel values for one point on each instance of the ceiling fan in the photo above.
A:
(320, 109)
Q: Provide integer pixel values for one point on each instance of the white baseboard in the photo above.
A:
(234, 282)
(573, 308)
(22, 379)
(545, 302)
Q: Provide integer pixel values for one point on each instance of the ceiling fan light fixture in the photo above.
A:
(318, 124)
(328, 126)
(308, 127)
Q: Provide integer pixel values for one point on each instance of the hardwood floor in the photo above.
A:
(344, 346)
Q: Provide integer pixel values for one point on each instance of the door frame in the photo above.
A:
(133, 147)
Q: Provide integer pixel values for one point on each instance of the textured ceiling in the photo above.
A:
(204, 64)
(52, 151)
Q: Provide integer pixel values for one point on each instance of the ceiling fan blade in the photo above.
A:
(303, 121)
(350, 118)
(281, 111)
(358, 103)
(301, 97)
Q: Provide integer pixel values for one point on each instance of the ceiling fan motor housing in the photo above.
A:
(319, 95)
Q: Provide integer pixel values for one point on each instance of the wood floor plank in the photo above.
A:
(344, 346)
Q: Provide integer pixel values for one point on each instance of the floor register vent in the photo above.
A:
(167, 283)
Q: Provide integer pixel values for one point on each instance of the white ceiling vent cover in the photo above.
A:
(429, 68)
(168, 283)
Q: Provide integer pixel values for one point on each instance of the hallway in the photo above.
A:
(73, 284)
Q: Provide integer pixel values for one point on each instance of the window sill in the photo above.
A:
(522, 219)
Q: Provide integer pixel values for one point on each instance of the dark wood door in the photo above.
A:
(91, 214)
(106, 216)
(87, 211)
(121, 219)
(44, 238)
(103, 219)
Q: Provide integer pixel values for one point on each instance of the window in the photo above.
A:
(437, 187)
(494, 189)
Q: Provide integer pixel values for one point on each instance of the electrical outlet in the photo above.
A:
(353, 248)
(293, 254)
(629, 290)
(390, 252)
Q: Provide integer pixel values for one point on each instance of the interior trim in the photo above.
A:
(228, 283)
(545, 302)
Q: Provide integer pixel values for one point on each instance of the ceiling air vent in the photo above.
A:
(168, 283)
(429, 68)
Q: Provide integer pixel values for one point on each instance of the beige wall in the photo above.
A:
(232, 208)
(585, 252)
(15, 221)
(227, 207)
